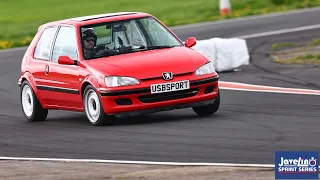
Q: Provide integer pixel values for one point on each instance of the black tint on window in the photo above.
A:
(44, 44)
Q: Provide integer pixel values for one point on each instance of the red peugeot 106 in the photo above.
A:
(114, 65)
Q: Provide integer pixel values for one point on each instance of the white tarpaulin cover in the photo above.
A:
(226, 54)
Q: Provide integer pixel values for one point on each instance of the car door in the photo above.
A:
(64, 79)
(39, 62)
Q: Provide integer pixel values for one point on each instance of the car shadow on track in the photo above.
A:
(159, 118)
(154, 118)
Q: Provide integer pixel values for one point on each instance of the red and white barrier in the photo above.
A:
(225, 7)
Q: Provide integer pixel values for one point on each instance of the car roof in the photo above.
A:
(97, 16)
(90, 19)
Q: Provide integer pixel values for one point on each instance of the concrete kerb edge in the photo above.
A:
(289, 12)
(14, 49)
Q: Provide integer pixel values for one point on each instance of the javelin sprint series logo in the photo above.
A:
(296, 165)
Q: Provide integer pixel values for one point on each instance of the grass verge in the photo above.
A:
(290, 53)
(19, 19)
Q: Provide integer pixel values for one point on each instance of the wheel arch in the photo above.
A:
(89, 80)
(27, 76)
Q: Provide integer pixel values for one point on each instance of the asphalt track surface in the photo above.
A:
(248, 128)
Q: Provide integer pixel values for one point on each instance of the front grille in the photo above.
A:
(159, 97)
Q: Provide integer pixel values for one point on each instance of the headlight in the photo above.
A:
(114, 81)
(205, 69)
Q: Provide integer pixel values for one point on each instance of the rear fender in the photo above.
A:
(28, 77)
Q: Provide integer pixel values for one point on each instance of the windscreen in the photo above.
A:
(127, 36)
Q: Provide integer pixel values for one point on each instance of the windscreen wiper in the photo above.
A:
(106, 54)
(153, 47)
(159, 47)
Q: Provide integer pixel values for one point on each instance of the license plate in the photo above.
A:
(169, 87)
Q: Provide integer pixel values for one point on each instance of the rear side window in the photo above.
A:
(44, 44)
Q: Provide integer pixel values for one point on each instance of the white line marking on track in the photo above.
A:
(235, 89)
(277, 32)
(225, 21)
(137, 162)
(259, 88)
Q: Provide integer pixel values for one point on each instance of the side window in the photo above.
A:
(65, 45)
(44, 45)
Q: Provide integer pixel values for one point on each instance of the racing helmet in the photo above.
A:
(89, 32)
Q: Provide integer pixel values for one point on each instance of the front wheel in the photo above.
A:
(31, 107)
(208, 109)
(94, 109)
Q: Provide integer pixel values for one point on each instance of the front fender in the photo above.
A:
(90, 80)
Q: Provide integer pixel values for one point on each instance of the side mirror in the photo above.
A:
(191, 41)
(66, 60)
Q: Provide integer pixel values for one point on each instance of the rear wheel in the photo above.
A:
(31, 107)
(94, 109)
(208, 109)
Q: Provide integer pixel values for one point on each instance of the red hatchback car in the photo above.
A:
(114, 65)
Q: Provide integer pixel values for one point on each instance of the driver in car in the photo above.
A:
(89, 40)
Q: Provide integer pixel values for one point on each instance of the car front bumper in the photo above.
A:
(141, 101)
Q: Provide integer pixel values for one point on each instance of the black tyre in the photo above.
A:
(208, 109)
(31, 107)
(94, 109)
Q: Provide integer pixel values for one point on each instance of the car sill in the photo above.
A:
(56, 89)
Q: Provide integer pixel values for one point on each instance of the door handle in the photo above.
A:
(47, 69)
